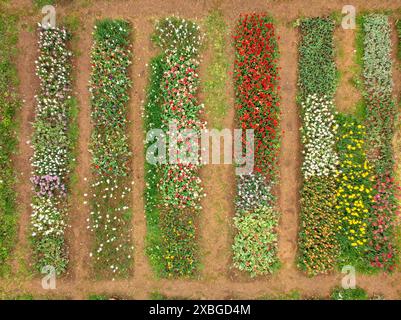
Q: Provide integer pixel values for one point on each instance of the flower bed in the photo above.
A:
(52, 146)
(318, 243)
(257, 105)
(380, 114)
(9, 103)
(354, 193)
(174, 191)
(110, 216)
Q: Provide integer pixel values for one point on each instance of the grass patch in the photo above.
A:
(98, 297)
(356, 80)
(152, 197)
(349, 294)
(42, 3)
(9, 103)
(292, 295)
(214, 86)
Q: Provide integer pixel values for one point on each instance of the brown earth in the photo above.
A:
(216, 279)
(347, 95)
(27, 49)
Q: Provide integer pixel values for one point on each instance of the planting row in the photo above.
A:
(380, 116)
(52, 145)
(174, 189)
(257, 104)
(111, 183)
(318, 243)
(347, 198)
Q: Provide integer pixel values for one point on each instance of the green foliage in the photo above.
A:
(217, 71)
(42, 3)
(255, 244)
(114, 33)
(152, 197)
(9, 103)
(349, 294)
(98, 297)
(317, 71)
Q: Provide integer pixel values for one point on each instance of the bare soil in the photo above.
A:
(347, 95)
(216, 280)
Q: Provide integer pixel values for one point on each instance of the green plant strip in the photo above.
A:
(216, 78)
(9, 103)
(111, 185)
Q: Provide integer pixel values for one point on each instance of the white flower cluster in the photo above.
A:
(319, 131)
(47, 218)
(253, 192)
(179, 34)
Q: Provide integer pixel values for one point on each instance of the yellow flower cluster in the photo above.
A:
(354, 179)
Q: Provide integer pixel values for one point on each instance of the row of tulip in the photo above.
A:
(51, 143)
(174, 191)
(380, 116)
(111, 183)
(257, 105)
(318, 243)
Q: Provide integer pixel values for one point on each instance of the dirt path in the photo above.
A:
(218, 180)
(142, 51)
(78, 235)
(290, 151)
(347, 95)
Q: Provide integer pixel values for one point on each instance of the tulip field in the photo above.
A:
(95, 182)
(348, 198)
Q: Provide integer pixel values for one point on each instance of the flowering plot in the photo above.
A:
(174, 190)
(52, 150)
(380, 114)
(110, 216)
(354, 192)
(318, 243)
(256, 78)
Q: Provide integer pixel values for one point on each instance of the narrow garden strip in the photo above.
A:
(174, 190)
(111, 185)
(257, 105)
(52, 157)
(9, 103)
(318, 243)
(380, 115)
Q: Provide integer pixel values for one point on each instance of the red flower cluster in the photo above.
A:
(256, 85)
(381, 222)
